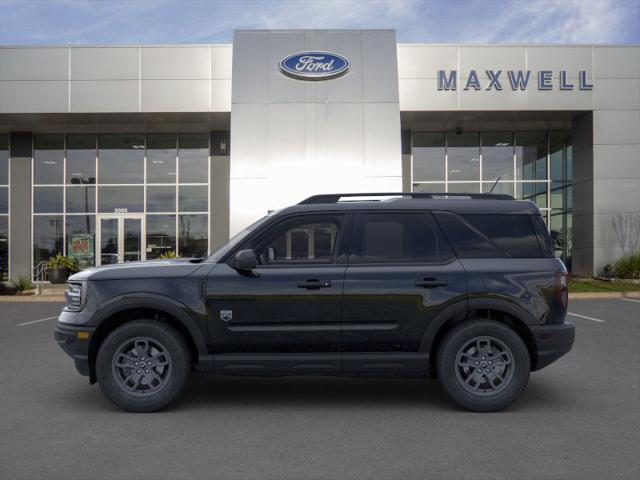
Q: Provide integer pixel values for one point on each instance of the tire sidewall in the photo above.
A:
(176, 349)
(460, 336)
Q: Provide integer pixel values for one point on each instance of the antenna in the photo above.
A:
(494, 184)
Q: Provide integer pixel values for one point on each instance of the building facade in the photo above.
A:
(111, 154)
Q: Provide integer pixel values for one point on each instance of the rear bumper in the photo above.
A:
(74, 341)
(552, 342)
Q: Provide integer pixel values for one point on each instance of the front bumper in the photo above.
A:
(74, 340)
(552, 342)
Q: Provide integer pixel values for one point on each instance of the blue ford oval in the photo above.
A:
(314, 65)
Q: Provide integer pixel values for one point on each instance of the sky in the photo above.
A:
(121, 22)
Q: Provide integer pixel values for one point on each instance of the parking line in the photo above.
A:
(36, 321)
(630, 300)
(585, 317)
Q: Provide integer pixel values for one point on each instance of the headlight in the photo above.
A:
(74, 294)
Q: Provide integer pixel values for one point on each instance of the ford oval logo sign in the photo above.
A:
(314, 65)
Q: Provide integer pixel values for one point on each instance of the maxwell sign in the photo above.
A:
(314, 65)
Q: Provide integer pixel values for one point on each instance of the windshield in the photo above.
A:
(235, 240)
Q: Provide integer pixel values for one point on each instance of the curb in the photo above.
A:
(595, 295)
(31, 298)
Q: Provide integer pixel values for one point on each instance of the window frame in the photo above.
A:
(355, 252)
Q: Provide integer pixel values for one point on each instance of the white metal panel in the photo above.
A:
(221, 61)
(175, 95)
(281, 87)
(26, 63)
(249, 138)
(105, 63)
(617, 94)
(494, 57)
(424, 61)
(616, 127)
(347, 88)
(569, 58)
(221, 95)
(621, 61)
(104, 96)
(40, 96)
(175, 63)
(250, 67)
(422, 94)
(382, 140)
(379, 66)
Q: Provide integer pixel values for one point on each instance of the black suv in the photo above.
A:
(462, 287)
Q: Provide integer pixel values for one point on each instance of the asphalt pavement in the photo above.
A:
(578, 419)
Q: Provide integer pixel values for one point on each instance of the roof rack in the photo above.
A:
(335, 197)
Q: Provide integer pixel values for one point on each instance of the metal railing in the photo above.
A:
(41, 270)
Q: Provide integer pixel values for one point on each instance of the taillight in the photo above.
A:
(562, 288)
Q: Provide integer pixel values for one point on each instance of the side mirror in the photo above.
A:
(245, 260)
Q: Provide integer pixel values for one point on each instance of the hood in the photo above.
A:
(174, 268)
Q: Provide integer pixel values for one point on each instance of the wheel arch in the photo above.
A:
(119, 311)
(501, 310)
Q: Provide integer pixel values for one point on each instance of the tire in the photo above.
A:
(488, 347)
(167, 364)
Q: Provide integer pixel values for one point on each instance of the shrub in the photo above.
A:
(169, 254)
(60, 261)
(628, 266)
(23, 283)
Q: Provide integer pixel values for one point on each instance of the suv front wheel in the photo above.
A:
(483, 365)
(143, 365)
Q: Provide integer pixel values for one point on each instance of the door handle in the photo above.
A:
(430, 283)
(314, 284)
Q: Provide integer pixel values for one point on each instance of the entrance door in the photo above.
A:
(121, 239)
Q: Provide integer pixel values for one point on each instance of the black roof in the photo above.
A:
(458, 203)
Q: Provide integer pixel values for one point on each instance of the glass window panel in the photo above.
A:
(463, 156)
(531, 155)
(4, 159)
(81, 159)
(47, 199)
(4, 247)
(428, 156)
(47, 237)
(132, 241)
(48, 159)
(121, 159)
(4, 199)
(193, 198)
(468, 243)
(81, 199)
(193, 158)
(161, 235)
(112, 198)
(558, 155)
(193, 235)
(558, 195)
(558, 234)
(161, 199)
(503, 188)
(81, 239)
(514, 234)
(463, 187)
(429, 187)
(161, 158)
(497, 156)
(534, 192)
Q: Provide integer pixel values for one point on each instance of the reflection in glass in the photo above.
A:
(81, 159)
(428, 156)
(4, 159)
(161, 235)
(429, 187)
(112, 198)
(531, 155)
(81, 199)
(48, 159)
(4, 247)
(497, 156)
(193, 198)
(47, 237)
(81, 239)
(463, 187)
(121, 158)
(108, 241)
(534, 192)
(559, 155)
(503, 188)
(47, 199)
(193, 236)
(4, 199)
(463, 156)
(193, 157)
(161, 158)
(132, 239)
(161, 199)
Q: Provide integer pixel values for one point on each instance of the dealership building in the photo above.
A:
(120, 153)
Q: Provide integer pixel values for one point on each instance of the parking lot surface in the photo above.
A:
(578, 418)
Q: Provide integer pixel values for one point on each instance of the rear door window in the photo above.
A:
(514, 234)
(467, 241)
(400, 238)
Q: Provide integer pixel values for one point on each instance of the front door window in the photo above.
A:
(120, 239)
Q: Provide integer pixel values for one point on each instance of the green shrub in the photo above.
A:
(23, 283)
(628, 266)
(60, 261)
(168, 255)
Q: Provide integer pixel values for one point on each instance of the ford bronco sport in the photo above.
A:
(461, 287)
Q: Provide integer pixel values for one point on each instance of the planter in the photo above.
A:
(58, 275)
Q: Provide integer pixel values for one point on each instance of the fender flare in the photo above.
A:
(156, 302)
(462, 307)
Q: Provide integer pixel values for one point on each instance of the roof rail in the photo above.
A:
(335, 197)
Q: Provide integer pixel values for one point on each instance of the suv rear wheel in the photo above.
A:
(483, 365)
(143, 365)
